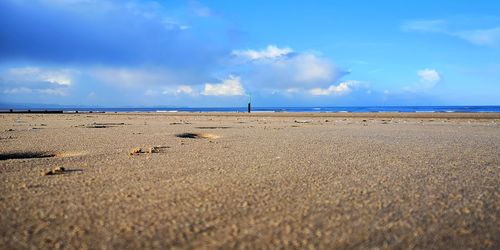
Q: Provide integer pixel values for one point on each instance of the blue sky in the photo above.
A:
(283, 53)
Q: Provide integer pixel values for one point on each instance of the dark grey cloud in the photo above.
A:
(101, 32)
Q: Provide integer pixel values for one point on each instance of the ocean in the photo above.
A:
(369, 109)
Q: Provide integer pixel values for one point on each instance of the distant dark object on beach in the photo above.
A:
(46, 111)
(31, 111)
(302, 121)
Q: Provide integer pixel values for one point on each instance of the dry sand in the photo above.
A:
(263, 181)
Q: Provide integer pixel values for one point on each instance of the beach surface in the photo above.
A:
(250, 181)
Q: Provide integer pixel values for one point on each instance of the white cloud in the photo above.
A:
(228, 87)
(47, 91)
(310, 68)
(24, 71)
(428, 77)
(184, 89)
(123, 76)
(54, 91)
(37, 80)
(481, 37)
(200, 10)
(271, 52)
(172, 25)
(151, 92)
(58, 79)
(487, 37)
(275, 68)
(425, 25)
(13, 91)
(62, 77)
(178, 90)
(136, 77)
(341, 89)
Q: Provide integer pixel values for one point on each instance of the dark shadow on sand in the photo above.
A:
(24, 155)
(188, 135)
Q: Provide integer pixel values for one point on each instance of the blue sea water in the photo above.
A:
(403, 109)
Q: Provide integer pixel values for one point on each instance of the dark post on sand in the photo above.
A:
(249, 101)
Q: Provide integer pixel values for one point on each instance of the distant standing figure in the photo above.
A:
(249, 101)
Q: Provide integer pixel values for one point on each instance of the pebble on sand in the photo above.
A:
(153, 150)
(150, 150)
(54, 171)
(302, 121)
(135, 151)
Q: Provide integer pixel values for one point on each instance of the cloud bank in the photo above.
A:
(103, 32)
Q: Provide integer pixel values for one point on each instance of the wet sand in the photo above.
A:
(260, 181)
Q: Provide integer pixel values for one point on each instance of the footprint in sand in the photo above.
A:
(198, 136)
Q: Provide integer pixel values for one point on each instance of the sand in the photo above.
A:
(260, 181)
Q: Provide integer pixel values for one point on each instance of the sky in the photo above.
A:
(138, 53)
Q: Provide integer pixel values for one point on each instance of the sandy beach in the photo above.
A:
(250, 181)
